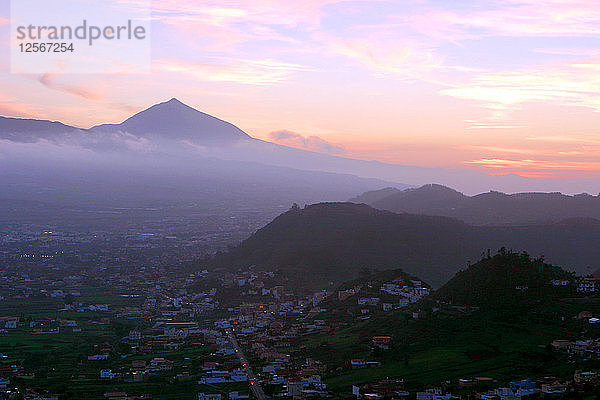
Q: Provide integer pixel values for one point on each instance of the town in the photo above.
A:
(125, 334)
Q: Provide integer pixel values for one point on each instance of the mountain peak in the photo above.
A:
(173, 108)
(174, 101)
(174, 119)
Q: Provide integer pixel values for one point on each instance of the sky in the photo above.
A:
(508, 86)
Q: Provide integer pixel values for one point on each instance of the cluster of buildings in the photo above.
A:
(584, 284)
(484, 388)
(583, 349)
(391, 295)
(378, 295)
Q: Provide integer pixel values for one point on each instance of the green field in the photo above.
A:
(59, 360)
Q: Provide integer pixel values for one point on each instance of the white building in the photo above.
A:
(209, 396)
(586, 285)
(106, 374)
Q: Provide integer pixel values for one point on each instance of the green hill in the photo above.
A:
(506, 278)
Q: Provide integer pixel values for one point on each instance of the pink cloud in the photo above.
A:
(265, 12)
(393, 57)
(216, 25)
(574, 84)
(548, 18)
(534, 165)
(14, 109)
(49, 81)
(313, 143)
(243, 71)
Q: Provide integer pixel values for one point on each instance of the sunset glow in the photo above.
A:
(508, 86)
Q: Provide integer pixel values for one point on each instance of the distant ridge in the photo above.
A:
(25, 130)
(375, 196)
(492, 208)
